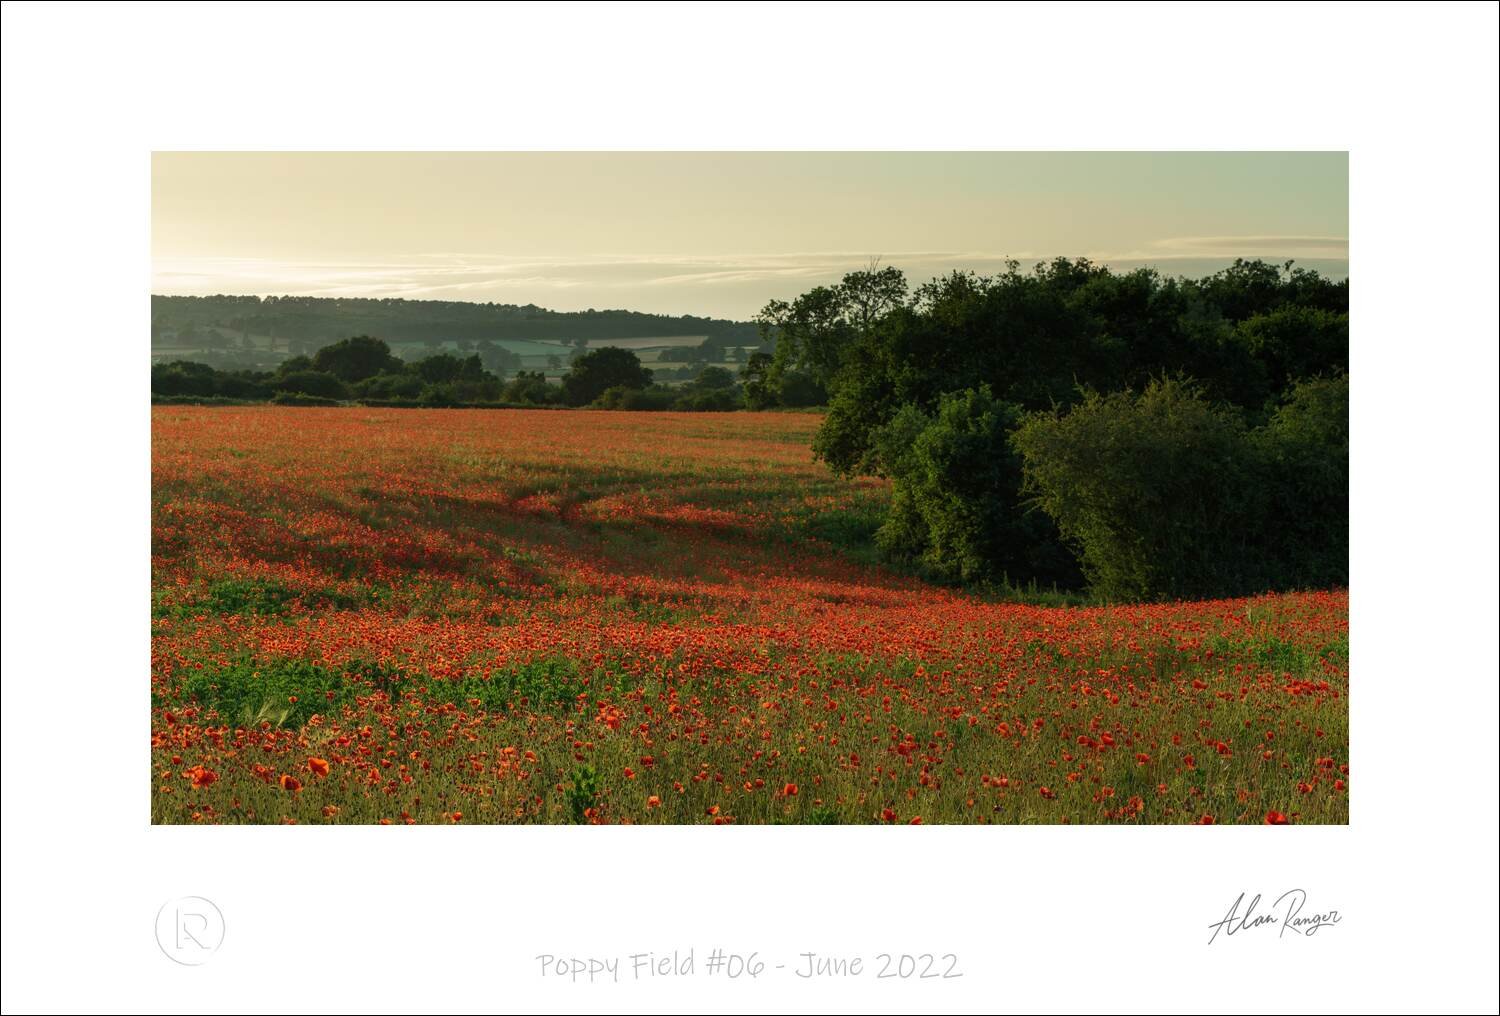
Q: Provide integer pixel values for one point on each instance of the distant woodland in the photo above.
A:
(303, 323)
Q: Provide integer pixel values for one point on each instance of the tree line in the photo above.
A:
(1142, 436)
(364, 369)
(308, 319)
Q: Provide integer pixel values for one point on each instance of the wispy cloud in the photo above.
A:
(436, 273)
(1249, 246)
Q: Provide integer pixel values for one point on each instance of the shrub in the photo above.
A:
(390, 386)
(184, 377)
(1156, 491)
(621, 397)
(956, 499)
(1303, 457)
(530, 388)
(444, 367)
(714, 400)
(311, 382)
(1165, 494)
(715, 378)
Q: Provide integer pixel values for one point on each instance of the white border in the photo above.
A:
(1045, 919)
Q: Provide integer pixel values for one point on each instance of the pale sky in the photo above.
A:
(715, 234)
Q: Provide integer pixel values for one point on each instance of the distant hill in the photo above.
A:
(309, 321)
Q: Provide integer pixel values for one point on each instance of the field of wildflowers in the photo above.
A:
(441, 616)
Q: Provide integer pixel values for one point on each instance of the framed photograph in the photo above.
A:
(755, 544)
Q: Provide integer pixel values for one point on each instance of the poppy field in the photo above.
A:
(394, 616)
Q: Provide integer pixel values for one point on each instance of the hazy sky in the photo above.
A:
(715, 233)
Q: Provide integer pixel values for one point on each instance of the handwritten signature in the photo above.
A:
(1286, 913)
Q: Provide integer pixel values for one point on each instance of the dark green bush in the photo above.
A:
(1303, 458)
(184, 377)
(712, 400)
(1166, 495)
(390, 386)
(1157, 492)
(956, 495)
(311, 382)
(531, 388)
(621, 397)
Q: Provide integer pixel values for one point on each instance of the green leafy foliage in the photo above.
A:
(317, 383)
(598, 370)
(1166, 494)
(583, 792)
(282, 691)
(550, 681)
(1303, 457)
(355, 359)
(956, 500)
(1151, 489)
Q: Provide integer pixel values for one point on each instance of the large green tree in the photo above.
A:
(600, 369)
(356, 358)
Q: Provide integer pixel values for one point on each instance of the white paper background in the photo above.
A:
(1049, 919)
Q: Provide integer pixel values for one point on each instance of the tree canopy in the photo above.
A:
(600, 369)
